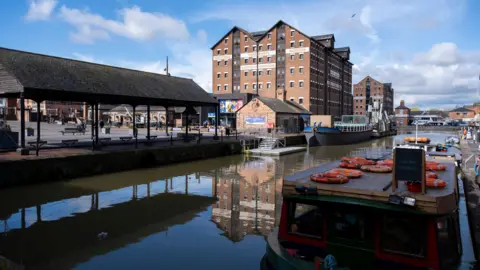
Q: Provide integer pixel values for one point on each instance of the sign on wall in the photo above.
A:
(211, 115)
(254, 120)
(230, 106)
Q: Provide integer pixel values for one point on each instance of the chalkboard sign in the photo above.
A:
(409, 164)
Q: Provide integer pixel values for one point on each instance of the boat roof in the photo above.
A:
(370, 187)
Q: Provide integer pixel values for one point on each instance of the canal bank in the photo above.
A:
(472, 191)
(16, 172)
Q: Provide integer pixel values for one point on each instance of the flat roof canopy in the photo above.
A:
(42, 77)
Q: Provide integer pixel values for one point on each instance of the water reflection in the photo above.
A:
(162, 212)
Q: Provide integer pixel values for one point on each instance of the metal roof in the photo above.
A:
(43, 77)
(280, 106)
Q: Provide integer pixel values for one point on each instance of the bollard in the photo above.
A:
(198, 141)
(236, 134)
(171, 138)
(93, 144)
(221, 135)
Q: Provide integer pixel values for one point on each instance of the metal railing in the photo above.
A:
(353, 127)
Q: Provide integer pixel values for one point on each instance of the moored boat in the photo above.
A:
(352, 129)
(371, 223)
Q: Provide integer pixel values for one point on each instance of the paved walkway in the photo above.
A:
(87, 150)
(472, 189)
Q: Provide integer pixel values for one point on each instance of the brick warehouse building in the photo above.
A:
(370, 89)
(307, 70)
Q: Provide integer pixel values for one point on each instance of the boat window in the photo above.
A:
(305, 219)
(349, 225)
(449, 249)
(404, 235)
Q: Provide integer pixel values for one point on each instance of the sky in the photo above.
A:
(428, 49)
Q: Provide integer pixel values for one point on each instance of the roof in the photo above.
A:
(324, 37)
(403, 107)
(342, 49)
(258, 35)
(142, 108)
(372, 186)
(461, 109)
(280, 106)
(42, 77)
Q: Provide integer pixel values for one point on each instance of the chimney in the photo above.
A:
(281, 93)
(402, 103)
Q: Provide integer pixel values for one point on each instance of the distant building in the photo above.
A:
(372, 90)
(462, 114)
(402, 114)
(309, 69)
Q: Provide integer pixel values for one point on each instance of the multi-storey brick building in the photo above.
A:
(371, 90)
(283, 61)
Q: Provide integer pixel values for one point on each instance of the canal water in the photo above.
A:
(161, 218)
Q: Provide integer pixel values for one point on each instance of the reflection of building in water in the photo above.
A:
(246, 199)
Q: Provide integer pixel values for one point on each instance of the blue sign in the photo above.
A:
(211, 115)
(258, 120)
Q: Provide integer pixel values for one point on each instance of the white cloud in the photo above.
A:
(39, 10)
(134, 24)
(441, 77)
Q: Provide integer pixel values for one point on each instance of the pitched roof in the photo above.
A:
(461, 109)
(54, 78)
(258, 35)
(402, 107)
(143, 108)
(228, 33)
(280, 106)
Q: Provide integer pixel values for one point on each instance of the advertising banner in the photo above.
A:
(258, 120)
(211, 115)
(230, 106)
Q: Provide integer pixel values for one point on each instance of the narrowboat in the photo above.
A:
(352, 129)
(371, 223)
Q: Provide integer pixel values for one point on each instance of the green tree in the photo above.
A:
(415, 109)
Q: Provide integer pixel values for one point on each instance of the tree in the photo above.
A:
(415, 109)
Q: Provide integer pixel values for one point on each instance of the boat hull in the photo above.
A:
(323, 138)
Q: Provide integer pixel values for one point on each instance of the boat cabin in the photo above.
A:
(373, 222)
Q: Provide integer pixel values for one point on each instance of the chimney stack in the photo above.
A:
(402, 103)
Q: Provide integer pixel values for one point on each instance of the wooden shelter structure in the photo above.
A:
(26, 75)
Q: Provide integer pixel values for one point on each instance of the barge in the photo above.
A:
(352, 129)
(372, 222)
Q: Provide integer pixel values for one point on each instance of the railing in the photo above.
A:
(353, 127)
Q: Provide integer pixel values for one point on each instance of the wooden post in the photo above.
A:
(424, 180)
(38, 126)
(96, 125)
(22, 122)
(92, 124)
(134, 126)
(148, 122)
(166, 120)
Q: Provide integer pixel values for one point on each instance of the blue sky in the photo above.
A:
(428, 49)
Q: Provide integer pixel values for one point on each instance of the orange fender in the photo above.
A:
(376, 168)
(436, 183)
(436, 167)
(431, 175)
(345, 172)
(322, 178)
(348, 165)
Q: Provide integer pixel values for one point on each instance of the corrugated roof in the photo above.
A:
(286, 106)
(124, 107)
(41, 75)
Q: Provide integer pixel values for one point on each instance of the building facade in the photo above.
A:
(307, 70)
(402, 114)
(462, 114)
(371, 90)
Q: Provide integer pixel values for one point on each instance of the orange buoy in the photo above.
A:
(431, 175)
(376, 168)
(418, 139)
(385, 162)
(436, 183)
(322, 178)
(349, 165)
(358, 160)
(435, 167)
(345, 172)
